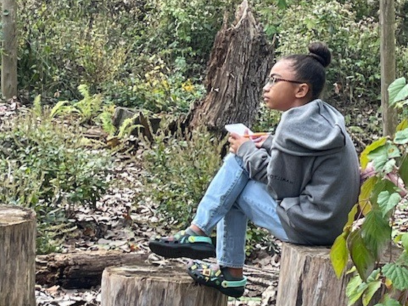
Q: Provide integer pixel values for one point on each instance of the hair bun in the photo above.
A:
(320, 52)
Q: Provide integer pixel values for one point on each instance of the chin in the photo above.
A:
(269, 105)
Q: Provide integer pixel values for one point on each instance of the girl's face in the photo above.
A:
(283, 91)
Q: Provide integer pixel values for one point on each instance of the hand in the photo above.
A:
(236, 141)
(259, 140)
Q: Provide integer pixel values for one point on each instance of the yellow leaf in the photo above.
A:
(403, 125)
(351, 218)
(388, 283)
(339, 255)
(365, 194)
(364, 155)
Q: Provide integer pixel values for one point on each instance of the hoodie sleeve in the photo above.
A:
(255, 159)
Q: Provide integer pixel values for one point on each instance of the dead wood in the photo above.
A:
(80, 270)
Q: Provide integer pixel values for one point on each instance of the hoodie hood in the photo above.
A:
(315, 128)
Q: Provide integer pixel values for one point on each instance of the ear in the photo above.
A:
(302, 90)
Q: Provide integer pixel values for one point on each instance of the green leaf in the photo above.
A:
(355, 289)
(372, 288)
(402, 95)
(380, 186)
(339, 254)
(282, 4)
(351, 217)
(388, 201)
(404, 240)
(376, 233)
(388, 301)
(401, 137)
(362, 258)
(403, 170)
(365, 193)
(397, 274)
(394, 88)
(393, 151)
(364, 155)
(402, 259)
(389, 166)
(379, 156)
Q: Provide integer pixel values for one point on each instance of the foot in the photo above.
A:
(183, 244)
(217, 277)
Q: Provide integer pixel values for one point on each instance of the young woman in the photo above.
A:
(299, 184)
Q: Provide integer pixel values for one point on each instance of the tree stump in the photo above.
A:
(154, 286)
(17, 256)
(239, 64)
(307, 278)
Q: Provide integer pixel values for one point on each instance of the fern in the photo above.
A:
(128, 126)
(87, 109)
(107, 125)
(37, 109)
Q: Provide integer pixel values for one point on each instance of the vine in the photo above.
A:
(384, 166)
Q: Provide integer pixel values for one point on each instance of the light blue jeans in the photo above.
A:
(231, 199)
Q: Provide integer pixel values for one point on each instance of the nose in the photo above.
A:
(267, 87)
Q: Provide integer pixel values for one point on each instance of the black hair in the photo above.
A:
(310, 68)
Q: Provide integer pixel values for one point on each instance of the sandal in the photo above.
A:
(212, 276)
(183, 245)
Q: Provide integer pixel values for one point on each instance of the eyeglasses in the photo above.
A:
(272, 80)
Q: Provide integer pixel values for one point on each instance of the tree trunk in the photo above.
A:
(307, 278)
(9, 56)
(148, 285)
(387, 22)
(17, 256)
(80, 270)
(239, 64)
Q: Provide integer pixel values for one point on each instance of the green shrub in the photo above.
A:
(77, 43)
(354, 44)
(187, 28)
(44, 166)
(179, 170)
(159, 89)
(127, 51)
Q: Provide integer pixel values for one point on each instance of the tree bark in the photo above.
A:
(238, 66)
(17, 256)
(9, 56)
(387, 22)
(80, 270)
(307, 278)
(148, 285)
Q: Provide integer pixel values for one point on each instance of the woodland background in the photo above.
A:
(79, 60)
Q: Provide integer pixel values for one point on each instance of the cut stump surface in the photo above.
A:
(154, 286)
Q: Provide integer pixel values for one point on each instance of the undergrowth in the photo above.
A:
(44, 166)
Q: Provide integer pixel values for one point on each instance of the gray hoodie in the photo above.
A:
(311, 168)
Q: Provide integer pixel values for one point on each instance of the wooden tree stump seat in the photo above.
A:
(153, 286)
(17, 256)
(307, 278)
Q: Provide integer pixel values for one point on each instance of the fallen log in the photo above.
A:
(148, 285)
(82, 269)
(17, 256)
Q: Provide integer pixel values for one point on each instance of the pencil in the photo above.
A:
(256, 135)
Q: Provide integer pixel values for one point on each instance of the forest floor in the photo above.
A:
(120, 222)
